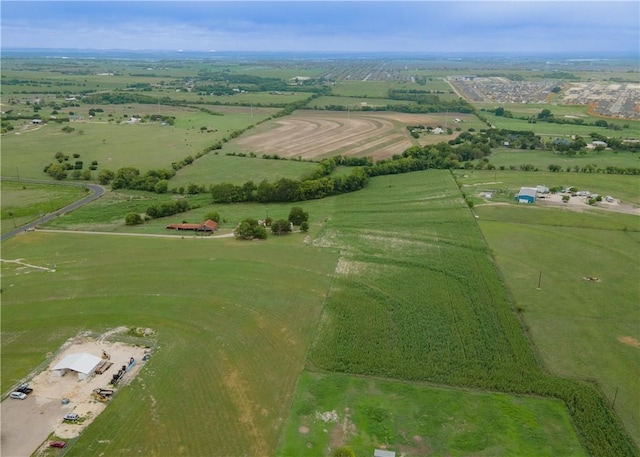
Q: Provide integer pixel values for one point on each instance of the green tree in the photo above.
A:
(162, 186)
(106, 176)
(344, 452)
(281, 226)
(213, 215)
(249, 229)
(133, 218)
(545, 114)
(297, 215)
(304, 226)
(57, 171)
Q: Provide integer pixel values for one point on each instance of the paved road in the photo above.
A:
(98, 191)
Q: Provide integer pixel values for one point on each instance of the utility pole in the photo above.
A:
(539, 280)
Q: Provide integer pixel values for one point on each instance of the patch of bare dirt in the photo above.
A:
(303, 430)
(33, 425)
(343, 430)
(630, 341)
(238, 391)
(313, 134)
(581, 204)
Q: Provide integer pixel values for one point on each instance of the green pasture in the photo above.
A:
(415, 420)
(542, 159)
(380, 89)
(373, 89)
(561, 130)
(107, 214)
(582, 329)
(242, 99)
(626, 188)
(233, 322)
(354, 102)
(280, 72)
(143, 145)
(24, 202)
(409, 261)
(218, 168)
(417, 297)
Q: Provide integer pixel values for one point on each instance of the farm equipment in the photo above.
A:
(118, 376)
(102, 395)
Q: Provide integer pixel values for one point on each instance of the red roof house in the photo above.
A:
(207, 226)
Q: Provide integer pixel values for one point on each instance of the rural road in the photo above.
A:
(98, 191)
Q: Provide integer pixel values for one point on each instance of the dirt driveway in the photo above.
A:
(27, 423)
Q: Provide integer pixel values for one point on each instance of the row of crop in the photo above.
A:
(433, 307)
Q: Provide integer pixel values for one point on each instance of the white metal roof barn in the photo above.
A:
(84, 364)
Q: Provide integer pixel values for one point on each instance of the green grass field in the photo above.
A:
(553, 130)
(416, 420)
(355, 103)
(194, 293)
(400, 281)
(233, 321)
(622, 187)
(144, 146)
(218, 168)
(582, 329)
(24, 202)
(542, 159)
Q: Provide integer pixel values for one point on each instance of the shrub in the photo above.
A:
(133, 218)
(344, 452)
(281, 226)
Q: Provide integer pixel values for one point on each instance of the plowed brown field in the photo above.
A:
(316, 134)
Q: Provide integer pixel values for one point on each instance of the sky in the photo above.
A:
(464, 26)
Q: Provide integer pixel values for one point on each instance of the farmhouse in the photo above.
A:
(526, 195)
(83, 364)
(207, 226)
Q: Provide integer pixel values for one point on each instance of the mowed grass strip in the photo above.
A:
(233, 321)
(583, 329)
(414, 420)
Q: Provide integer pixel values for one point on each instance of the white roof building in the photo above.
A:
(84, 364)
(383, 453)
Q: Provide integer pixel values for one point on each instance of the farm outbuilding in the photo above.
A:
(526, 195)
(383, 453)
(207, 226)
(83, 364)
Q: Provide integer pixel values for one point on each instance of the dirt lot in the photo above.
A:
(581, 204)
(26, 424)
(316, 134)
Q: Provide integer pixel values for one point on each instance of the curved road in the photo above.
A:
(98, 191)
